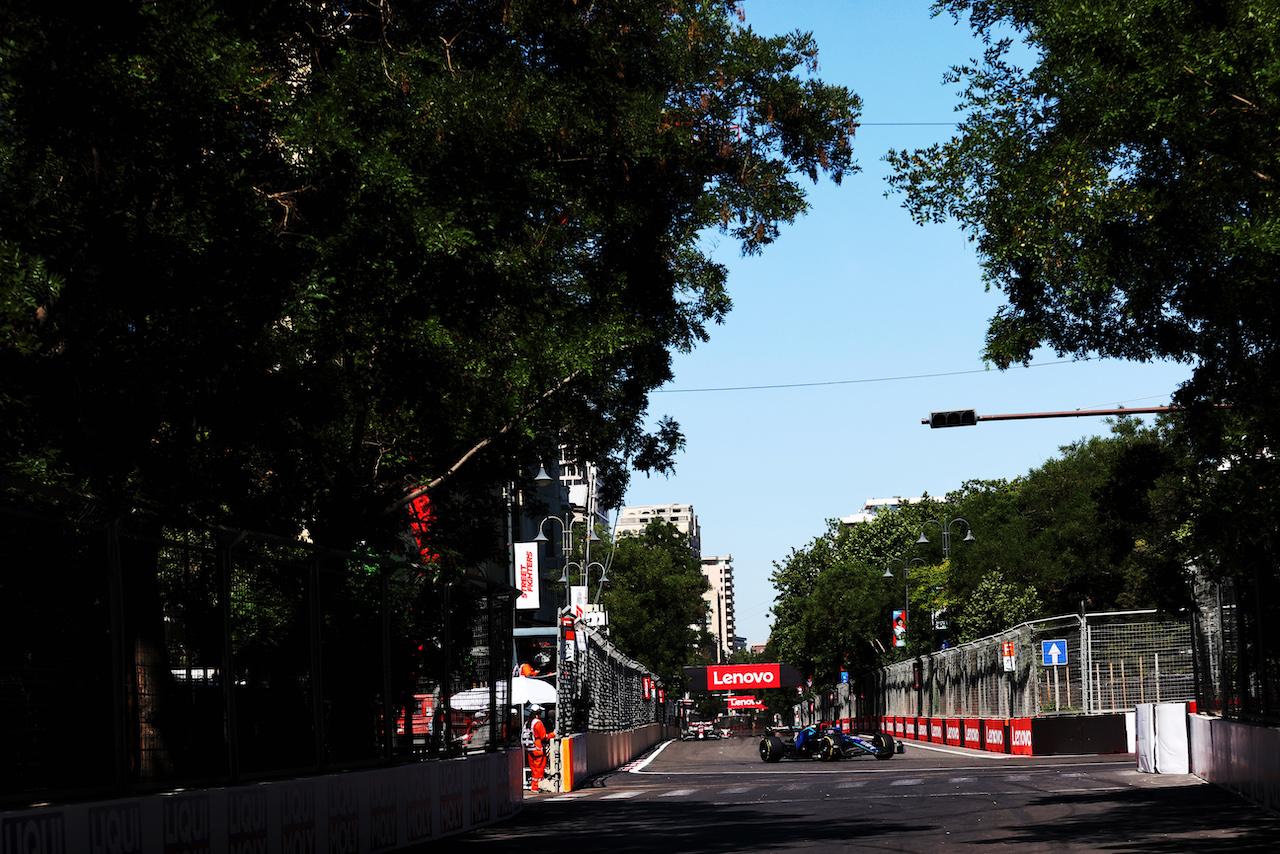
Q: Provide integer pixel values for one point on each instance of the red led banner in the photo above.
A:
(737, 677)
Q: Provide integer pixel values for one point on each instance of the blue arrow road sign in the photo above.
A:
(1053, 652)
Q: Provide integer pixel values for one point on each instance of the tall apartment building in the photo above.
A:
(633, 520)
(719, 572)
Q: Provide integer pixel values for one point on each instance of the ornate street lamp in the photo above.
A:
(946, 534)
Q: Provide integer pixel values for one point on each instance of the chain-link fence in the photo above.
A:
(602, 690)
(134, 660)
(1238, 654)
(1077, 664)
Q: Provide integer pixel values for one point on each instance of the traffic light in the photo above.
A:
(953, 418)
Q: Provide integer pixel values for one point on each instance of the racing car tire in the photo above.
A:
(884, 745)
(831, 749)
(771, 749)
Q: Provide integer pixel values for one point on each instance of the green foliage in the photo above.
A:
(654, 599)
(1097, 527)
(996, 605)
(833, 605)
(1108, 524)
(1121, 188)
(274, 266)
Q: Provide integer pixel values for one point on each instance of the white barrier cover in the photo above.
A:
(1172, 753)
(1145, 737)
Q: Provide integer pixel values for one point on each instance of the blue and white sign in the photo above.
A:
(1053, 652)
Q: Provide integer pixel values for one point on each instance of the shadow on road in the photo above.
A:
(1198, 817)
(679, 828)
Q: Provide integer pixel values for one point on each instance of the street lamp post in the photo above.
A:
(583, 566)
(570, 677)
(946, 534)
(906, 586)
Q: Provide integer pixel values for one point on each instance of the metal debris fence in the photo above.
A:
(1074, 664)
(134, 660)
(602, 690)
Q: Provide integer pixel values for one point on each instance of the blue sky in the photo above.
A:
(889, 316)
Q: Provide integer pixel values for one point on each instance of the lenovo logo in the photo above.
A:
(764, 675)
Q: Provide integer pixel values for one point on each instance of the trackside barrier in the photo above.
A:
(1051, 736)
(573, 762)
(378, 810)
(1239, 757)
(1160, 738)
(586, 755)
(1020, 732)
(995, 736)
(973, 734)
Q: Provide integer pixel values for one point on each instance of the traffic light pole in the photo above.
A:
(969, 417)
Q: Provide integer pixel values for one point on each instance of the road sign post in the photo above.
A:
(1053, 653)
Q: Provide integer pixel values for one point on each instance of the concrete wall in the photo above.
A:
(1241, 758)
(378, 810)
(582, 757)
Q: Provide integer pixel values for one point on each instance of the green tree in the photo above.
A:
(654, 599)
(285, 265)
(1107, 524)
(282, 265)
(1121, 192)
(1120, 185)
(833, 605)
(996, 605)
(1102, 525)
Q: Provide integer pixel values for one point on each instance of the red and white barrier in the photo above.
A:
(1016, 736)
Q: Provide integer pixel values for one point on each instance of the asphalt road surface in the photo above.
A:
(717, 796)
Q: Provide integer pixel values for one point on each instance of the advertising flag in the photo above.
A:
(526, 556)
(899, 628)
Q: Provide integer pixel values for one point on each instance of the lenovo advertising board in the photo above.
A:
(742, 677)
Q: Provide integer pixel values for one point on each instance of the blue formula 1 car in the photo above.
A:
(827, 743)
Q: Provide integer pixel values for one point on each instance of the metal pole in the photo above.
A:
(388, 701)
(228, 680)
(317, 662)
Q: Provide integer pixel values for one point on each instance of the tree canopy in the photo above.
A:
(283, 264)
(1116, 165)
(1120, 184)
(1104, 526)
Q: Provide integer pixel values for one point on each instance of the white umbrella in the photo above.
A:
(524, 689)
(473, 699)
